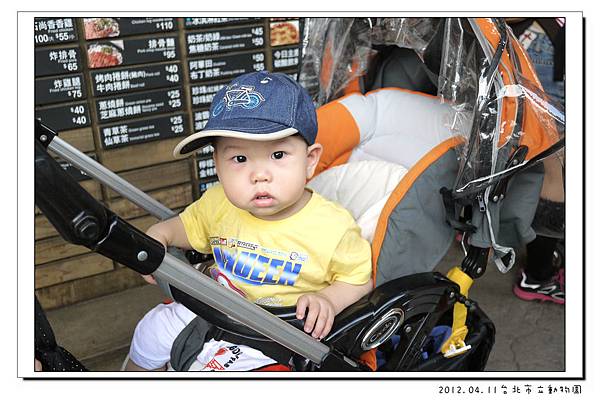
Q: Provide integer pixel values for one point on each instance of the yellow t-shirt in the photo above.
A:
(274, 262)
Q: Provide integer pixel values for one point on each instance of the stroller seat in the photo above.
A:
(390, 184)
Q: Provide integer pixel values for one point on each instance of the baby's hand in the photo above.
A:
(320, 314)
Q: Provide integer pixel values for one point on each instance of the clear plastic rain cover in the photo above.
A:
(483, 74)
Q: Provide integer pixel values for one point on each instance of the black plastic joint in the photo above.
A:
(336, 362)
(475, 262)
(43, 134)
(129, 246)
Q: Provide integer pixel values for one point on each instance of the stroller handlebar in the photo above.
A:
(82, 220)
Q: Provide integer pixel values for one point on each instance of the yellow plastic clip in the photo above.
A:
(455, 344)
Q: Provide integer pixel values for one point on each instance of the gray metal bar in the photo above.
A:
(201, 287)
(110, 179)
(187, 279)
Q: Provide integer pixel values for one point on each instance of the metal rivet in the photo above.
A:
(408, 329)
(142, 256)
(43, 138)
(515, 162)
(452, 294)
(479, 271)
(496, 198)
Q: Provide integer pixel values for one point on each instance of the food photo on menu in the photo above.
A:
(108, 54)
(285, 33)
(98, 28)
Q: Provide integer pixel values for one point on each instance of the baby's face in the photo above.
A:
(266, 178)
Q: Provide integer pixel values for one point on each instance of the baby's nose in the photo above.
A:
(261, 176)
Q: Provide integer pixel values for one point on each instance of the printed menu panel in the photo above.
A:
(206, 168)
(57, 61)
(50, 31)
(191, 23)
(99, 28)
(200, 119)
(225, 39)
(108, 82)
(226, 66)
(132, 51)
(62, 118)
(139, 104)
(61, 89)
(285, 58)
(202, 95)
(146, 130)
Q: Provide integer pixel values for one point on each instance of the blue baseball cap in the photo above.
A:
(259, 106)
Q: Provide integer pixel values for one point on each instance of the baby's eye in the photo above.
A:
(239, 159)
(278, 155)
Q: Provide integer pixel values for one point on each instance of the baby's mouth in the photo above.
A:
(263, 199)
(262, 195)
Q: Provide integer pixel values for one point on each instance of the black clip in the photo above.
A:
(452, 216)
(43, 134)
(517, 158)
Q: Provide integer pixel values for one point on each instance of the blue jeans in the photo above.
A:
(541, 53)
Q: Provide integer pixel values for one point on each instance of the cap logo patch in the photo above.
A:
(239, 96)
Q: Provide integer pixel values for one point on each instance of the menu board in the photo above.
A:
(225, 39)
(202, 95)
(202, 22)
(226, 66)
(206, 168)
(112, 81)
(207, 172)
(62, 118)
(132, 51)
(139, 83)
(146, 130)
(59, 89)
(99, 28)
(139, 104)
(285, 58)
(49, 31)
(200, 119)
(57, 61)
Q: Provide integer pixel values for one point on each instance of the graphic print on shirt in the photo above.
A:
(254, 264)
(233, 353)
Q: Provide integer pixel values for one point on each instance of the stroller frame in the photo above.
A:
(84, 221)
(172, 270)
(362, 327)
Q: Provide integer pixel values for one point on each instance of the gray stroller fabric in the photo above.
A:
(188, 344)
(417, 236)
(511, 217)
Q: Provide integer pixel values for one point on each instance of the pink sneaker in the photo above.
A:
(552, 290)
(561, 278)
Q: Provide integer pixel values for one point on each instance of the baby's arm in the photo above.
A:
(169, 233)
(324, 305)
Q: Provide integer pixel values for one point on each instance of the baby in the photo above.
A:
(274, 241)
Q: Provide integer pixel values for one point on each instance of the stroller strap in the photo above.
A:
(190, 342)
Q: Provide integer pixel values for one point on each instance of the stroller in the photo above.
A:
(444, 120)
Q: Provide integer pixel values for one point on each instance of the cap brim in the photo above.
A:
(202, 138)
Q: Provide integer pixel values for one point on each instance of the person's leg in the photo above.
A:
(540, 278)
(154, 335)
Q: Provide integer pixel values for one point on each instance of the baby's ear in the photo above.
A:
(313, 154)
